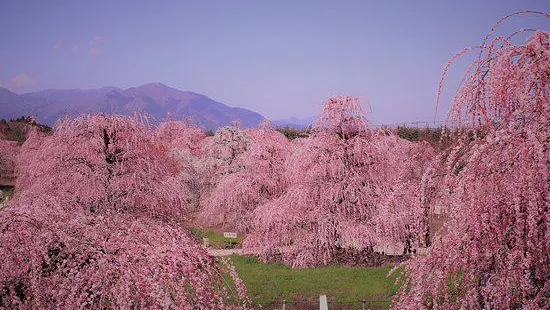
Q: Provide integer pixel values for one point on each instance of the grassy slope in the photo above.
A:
(272, 282)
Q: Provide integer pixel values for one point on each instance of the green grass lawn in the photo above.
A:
(269, 283)
(217, 240)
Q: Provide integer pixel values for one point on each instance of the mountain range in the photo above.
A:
(155, 99)
(295, 122)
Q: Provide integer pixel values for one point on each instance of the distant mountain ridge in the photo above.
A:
(293, 122)
(156, 99)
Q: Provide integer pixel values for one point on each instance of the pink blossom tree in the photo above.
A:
(495, 252)
(219, 158)
(186, 147)
(181, 135)
(56, 257)
(96, 224)
(29, 151)
(261, 178)
(401, 220)
(222, 151)
(8, 155)
(102, 162)
(340, 177)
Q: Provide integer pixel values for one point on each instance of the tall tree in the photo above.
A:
(260, 179)
(58, 257)
(219, 158)
(185, 143)
(102, 162)
(339, 182)
(181, 135)
(8, 154)
(96, 223)
(495, 252)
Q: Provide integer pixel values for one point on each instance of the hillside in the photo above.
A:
(156, 99)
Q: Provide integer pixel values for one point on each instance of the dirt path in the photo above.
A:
(224, 252)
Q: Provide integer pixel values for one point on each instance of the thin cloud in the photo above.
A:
(58, 45)
(76, 47)
(20, 80)
(95, 49)
(96, 41)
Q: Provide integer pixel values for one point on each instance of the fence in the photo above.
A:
(417, 124)
(332, 305)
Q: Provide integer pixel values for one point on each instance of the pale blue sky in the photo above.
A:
(279, 58)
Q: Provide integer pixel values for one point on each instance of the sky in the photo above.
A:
(279, 58)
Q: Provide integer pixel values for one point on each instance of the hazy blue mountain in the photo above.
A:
(10, 103)
(294, 122)
(156, 99)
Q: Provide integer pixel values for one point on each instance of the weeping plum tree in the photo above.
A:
(222, 150)
(101, 162)
(25, 159)
(185, 143)
(8, 154)
(495, 252)
(56, 257)
(261, 178)
(401, 219)
(339, 179)
(181, 135)
(95, 225)
(219, 158)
